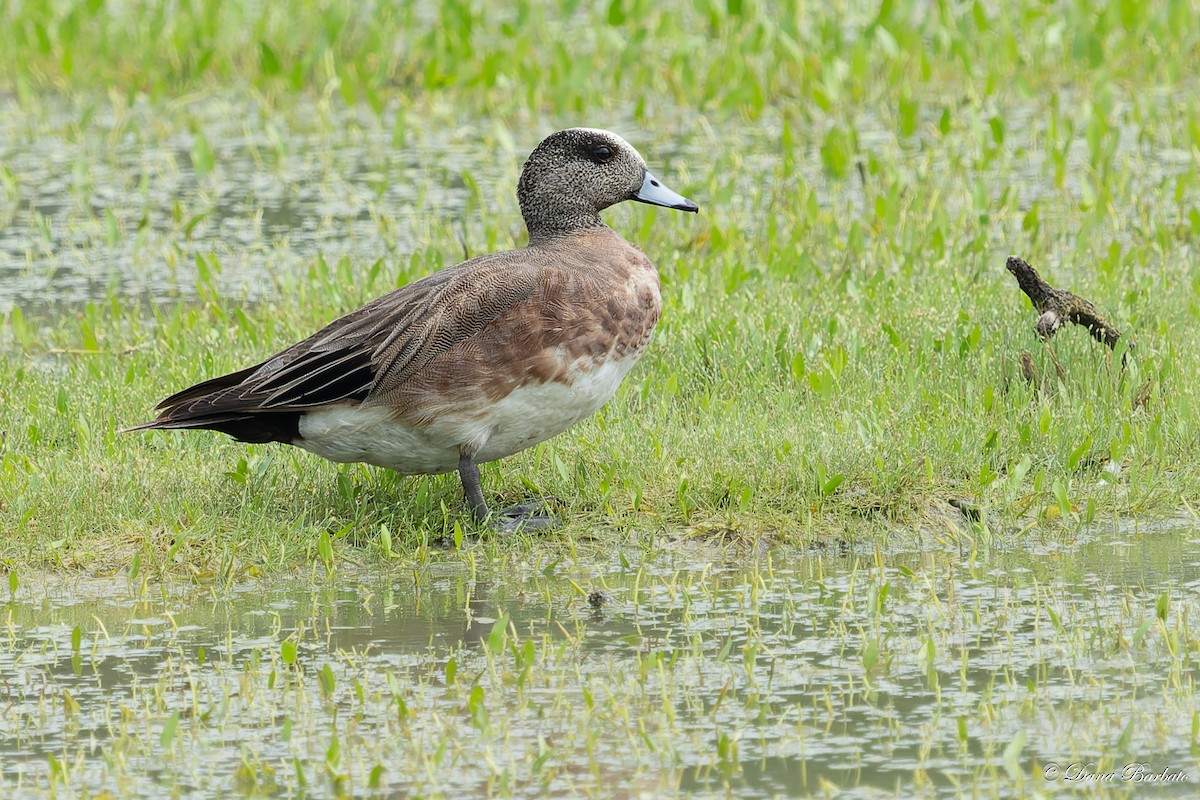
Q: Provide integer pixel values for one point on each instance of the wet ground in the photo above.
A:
(102, 200)
(127, 208)
(898, 674)
(99, 199)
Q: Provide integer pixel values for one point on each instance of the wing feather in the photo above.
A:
(371, 350)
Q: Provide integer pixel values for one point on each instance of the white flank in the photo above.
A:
(528, 415)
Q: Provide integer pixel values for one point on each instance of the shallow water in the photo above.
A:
(99, 199)
(112, 200)
(700, 672)
(102, 200)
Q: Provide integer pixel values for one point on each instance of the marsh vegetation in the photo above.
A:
(847, 543)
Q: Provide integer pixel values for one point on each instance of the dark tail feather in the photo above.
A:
(267, 408)
(210, 386)
(165, 422)
(198, 408)
(274, 426)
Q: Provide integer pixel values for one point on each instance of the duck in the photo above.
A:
(477, 361)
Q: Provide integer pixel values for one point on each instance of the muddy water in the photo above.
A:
(992, 673)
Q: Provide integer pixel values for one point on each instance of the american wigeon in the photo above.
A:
(477, 361)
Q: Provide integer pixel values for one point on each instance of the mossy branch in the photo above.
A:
(1058, 306)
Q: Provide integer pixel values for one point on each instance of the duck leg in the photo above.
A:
(510, 520)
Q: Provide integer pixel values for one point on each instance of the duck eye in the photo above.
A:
(602, 152)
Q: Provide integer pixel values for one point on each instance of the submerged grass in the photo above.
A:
(840, 345)
(917, 674)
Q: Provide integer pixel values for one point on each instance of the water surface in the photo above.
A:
(100, 199)
(700, 671)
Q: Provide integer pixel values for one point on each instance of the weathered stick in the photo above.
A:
(1058, 306)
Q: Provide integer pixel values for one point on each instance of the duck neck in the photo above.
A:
(551, 217)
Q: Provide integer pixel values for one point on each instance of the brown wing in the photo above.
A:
(369, 351)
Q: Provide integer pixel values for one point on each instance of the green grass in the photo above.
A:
(729, 57)
(839, 346)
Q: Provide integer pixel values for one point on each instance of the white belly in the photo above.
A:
(528, 415)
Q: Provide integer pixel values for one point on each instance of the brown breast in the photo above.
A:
(596, 298)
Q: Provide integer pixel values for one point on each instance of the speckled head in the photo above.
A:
(576, 173)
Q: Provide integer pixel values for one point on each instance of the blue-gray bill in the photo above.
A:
(654, 193)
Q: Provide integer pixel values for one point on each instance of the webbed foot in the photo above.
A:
(523, 517)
